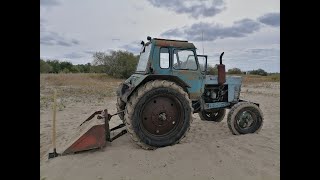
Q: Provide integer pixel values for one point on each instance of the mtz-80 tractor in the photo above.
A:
(156, 102)
(170, 83)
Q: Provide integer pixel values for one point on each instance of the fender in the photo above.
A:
(136, 80)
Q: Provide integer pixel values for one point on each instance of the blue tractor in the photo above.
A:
(156, 103)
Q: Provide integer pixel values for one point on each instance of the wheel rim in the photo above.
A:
(160, 115)
(246, 119)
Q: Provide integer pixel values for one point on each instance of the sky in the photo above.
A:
(248, 31)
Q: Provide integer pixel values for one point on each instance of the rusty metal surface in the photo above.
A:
(170, 43)
(107, 118)
(90, 117)
(194, 96)
(160, 115)
(92, 139)
(221, 74)
(95, 136)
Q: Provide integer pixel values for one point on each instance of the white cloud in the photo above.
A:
(72, 29)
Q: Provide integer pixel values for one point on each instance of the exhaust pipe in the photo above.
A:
(221, 71)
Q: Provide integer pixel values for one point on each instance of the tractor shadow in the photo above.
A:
(207, 131)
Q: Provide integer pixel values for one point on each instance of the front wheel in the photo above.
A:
(244, 118)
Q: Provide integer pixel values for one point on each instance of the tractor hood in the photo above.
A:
(213, 79)
(233, 82)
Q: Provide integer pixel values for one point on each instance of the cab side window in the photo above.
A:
(184, 59)
(164, 58)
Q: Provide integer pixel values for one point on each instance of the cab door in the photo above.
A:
(184, 65)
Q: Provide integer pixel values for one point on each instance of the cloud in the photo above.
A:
(196, 9)
(49, 2)
(133, 47)
(264, 51)
(74, 55)
(271, 19)
(267, 58)
(42, 25)
(138, 7)
(89, 52)
(50, 38)
(213, 31)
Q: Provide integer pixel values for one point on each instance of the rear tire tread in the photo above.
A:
(134, 98)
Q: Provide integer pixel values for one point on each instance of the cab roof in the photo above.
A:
(172, 43)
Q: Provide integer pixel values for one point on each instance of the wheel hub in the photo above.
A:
(245, 120)
(160, 115)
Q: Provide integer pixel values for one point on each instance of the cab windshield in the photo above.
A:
(144, 56)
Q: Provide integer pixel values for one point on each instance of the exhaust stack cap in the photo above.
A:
(221, 57)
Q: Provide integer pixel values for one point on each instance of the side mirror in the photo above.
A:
(142, 48)
(202, 60)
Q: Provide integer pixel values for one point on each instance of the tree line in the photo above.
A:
(118, 64)
(261, 72)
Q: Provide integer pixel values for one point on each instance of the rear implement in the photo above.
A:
(91, 134)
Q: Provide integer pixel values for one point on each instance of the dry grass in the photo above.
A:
(253, 79)
(95, 87)
(76, 88)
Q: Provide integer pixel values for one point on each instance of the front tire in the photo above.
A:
(244, 118)
(158, 114)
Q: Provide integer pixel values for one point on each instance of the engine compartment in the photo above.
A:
(215, 93)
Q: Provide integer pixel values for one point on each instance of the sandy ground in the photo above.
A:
(209, 151)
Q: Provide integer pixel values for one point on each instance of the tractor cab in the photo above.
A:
(172, 60)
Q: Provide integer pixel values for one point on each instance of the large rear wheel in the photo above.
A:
(120, 107)
(158, 114)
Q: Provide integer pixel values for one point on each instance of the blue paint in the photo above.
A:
(216, 105)
(193, 77)
(233, 82)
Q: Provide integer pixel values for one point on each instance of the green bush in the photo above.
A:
(65, 70)
(121, 64)
(260, 72)
(234, 71)
(45, 67)
(118, 64)
(212, 70)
